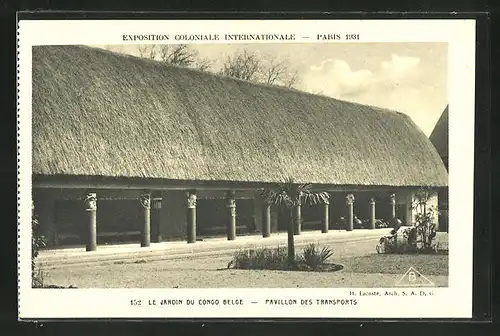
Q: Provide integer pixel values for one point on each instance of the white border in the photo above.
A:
(452, 302)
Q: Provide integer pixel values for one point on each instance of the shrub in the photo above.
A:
(419, 238)
(313, 257)
(409, 240)
(391, 244)
(262, 258)
(38, 280)
(380, 224)
(37, 243)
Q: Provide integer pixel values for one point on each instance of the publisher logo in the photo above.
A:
(413, 278)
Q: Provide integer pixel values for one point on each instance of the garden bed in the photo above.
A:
(312, 259)
(329, 267)
(54, 287)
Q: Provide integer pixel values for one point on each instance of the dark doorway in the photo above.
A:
(213, 216)
(284, 218)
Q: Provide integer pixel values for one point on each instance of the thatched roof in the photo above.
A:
(98, 113)
(439, 135)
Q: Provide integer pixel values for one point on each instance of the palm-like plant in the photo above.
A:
(424, 218)
(292, 195)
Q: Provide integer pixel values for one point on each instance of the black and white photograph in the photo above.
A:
(173, 144)
(265, 164)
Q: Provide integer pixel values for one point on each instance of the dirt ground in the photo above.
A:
(362, 268)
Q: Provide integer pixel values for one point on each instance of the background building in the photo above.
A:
(439, 138)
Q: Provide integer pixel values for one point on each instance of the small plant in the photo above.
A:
(380, 224)
(425, 228)
(262, 258)
(313, 257)
(38, 242)
(38, 280)
(398, 242)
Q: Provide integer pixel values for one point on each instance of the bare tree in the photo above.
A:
(243, 65)
(178, 54)
(203, 64)
(273, 71)
(263, 69)
(291, 79)
(147, 51)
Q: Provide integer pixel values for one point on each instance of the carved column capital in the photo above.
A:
(90, 202)
(392, 199)
(145, 200)
(349, 199)
(372, 201)
(191, 200)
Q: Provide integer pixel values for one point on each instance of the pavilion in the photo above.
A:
(129, 148)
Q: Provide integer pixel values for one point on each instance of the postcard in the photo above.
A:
(245, 168)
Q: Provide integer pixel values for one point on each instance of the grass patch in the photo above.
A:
(426, 264)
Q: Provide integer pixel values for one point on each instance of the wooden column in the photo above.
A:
(156, 203)
(231, 223)
(350, 212)
(266, 228)
(191, 216)
(326, 217)
(297, 219)
(392, 203)
(372, 213)
(145, 200)
(91, 210)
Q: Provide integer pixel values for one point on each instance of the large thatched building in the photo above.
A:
(128, 146)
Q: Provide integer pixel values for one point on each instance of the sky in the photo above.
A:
(405, 77)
